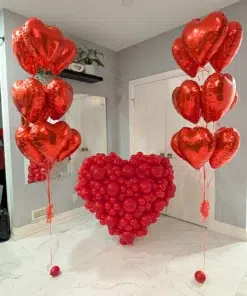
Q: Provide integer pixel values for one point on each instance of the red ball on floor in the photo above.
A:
(200, 276)
(55, 271)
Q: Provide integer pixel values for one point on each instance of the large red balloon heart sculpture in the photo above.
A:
(126, 196)
(215, 40)
(41, 47)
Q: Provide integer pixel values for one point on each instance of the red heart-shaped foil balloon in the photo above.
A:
(59, 97)
(21, 51)
(196, 145)
(202, 38)
(227, 145)
(44, 42)
(50, 139)
(24, 143)
(229, 48)
(66, 57)
(235, 101)
(184, 61)
(187, 100)
(217, 96)
(29, 98)
(175, 146)
(174, 99)
(73, 143)
(127, 196)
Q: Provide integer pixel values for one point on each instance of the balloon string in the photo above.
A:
(204, 230)
(49, 209)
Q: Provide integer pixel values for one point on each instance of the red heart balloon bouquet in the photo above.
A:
(127, 196)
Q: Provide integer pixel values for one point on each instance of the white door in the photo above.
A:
(153, 121)
(88, 115)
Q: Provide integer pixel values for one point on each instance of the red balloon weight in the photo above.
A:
(55, 271)
(227, 145)
(187, 100)
(200, 276)
(202, 38)
(112, 189)
(29, 98)
(24, 143)
(59, 97)
(196, 144)
(204, 209)
(72, 145)
(44, 42)
(50, 139)
(229, 48)
(21, 51)
(129, 205)
(217, 96)
(65, 58)
(184, 61)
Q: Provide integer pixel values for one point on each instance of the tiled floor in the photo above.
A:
(94, 264)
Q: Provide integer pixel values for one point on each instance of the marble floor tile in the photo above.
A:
(93, 263)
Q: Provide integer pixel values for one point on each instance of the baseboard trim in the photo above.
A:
(227, 229)
(27, 230)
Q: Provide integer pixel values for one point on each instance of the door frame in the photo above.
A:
(155, 78)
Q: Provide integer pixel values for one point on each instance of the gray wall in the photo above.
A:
(154, 56)
(25, 198)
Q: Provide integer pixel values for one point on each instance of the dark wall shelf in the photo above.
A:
(80, 76)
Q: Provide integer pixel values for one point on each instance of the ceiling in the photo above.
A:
(110, 24)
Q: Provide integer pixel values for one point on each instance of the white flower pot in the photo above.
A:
(90, 69)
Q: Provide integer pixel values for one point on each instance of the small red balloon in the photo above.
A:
(55, 271)
(112, 189)
(129, 205)
(200, 276)
(99, 173)
(128, 171)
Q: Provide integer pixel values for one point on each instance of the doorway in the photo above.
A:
(87, 114)
(153, 121)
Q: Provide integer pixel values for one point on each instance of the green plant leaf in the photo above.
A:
(98, 62)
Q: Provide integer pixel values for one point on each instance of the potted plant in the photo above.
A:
(89, 58)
